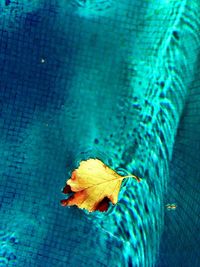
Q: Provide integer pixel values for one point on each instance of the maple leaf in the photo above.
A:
(94, 185)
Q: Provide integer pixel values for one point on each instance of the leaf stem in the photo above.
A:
(133, 176)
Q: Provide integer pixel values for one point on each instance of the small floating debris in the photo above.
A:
(172, 206)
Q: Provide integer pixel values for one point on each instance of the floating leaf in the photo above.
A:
(94, 185)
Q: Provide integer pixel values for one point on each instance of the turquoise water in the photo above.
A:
(114, 80)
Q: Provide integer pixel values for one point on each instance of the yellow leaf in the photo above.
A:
(94, 184)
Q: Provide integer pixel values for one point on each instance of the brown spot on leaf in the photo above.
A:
(103, 205)
(66, 189)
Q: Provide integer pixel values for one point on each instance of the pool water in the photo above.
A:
(113, 80)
